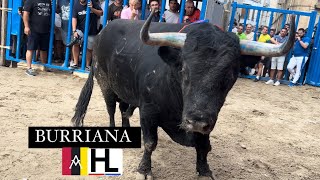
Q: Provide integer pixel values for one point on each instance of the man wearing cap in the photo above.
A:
(172, 15)
(78, 26)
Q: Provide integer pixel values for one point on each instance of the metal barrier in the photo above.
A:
(313, 75)
(312, 15)
(15, 23)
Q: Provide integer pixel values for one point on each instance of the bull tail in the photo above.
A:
(83, 101)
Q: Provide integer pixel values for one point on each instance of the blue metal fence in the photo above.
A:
(312, 15)
(313, 75)
(15, 24)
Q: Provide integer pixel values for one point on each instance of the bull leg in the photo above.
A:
(125, 119)
(203, 147)
(149, 126)
(111, 102)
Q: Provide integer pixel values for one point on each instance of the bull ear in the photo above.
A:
(170, 55)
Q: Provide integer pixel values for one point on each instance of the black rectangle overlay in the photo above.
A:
(92, 137)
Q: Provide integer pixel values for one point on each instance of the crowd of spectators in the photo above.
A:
(36, 15)
(273, 66)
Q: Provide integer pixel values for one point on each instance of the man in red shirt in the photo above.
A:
(192, 14)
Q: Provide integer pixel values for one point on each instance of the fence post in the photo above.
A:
(3, 33)
(226, 14)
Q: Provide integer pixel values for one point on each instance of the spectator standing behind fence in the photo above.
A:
(264, 37)
(192, 14)
(249, 34)
(78, 26)
(37, 22)
(131, 12)
(63, 8)
(114, 10)
(277, 62)
(300, 56)
(154, 4)
(240, 33)
(172, 14)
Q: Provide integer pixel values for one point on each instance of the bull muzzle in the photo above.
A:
(199, 121)
(198, 126)
(173, 39)
(265, 49)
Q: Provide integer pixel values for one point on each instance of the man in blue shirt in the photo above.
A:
(300, 55)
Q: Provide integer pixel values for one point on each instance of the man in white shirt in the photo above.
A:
(249, 34)
(172, 15)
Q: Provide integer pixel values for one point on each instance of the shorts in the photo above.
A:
(90, 42)
(264, 60)
(38, 40)
(277, 62)
(57, 34)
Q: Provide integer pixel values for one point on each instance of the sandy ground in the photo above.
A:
(263, 132)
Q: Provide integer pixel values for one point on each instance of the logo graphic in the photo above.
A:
(88, 161)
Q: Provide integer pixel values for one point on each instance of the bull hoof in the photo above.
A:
(213, 177)
(140, 176)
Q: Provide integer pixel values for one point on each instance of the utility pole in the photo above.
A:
(3, 32)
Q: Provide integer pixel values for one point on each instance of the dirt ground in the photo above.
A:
(263, 132)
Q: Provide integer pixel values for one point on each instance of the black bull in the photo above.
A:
(179, 81)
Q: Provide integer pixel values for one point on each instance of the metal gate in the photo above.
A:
(313, 75)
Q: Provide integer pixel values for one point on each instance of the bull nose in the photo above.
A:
(199, 126)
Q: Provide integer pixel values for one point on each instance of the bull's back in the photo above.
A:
(124, 61)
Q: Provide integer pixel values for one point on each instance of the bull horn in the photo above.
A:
(173, 39)
(266, 49)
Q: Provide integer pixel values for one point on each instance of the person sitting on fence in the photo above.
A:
(249, 34)
(172, 14)
(240, 33)
(78, 26)
(37, 22)
(132, 12)
(154, 4)
(192, 14)
(264, 37)
(300, 56)
(277, 62)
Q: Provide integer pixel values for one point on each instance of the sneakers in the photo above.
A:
(277, 83)
(73, 66)
(291, 84)
(256, 79)
(88, 68)
(252, 71)
(31, 72)
(270, 82)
